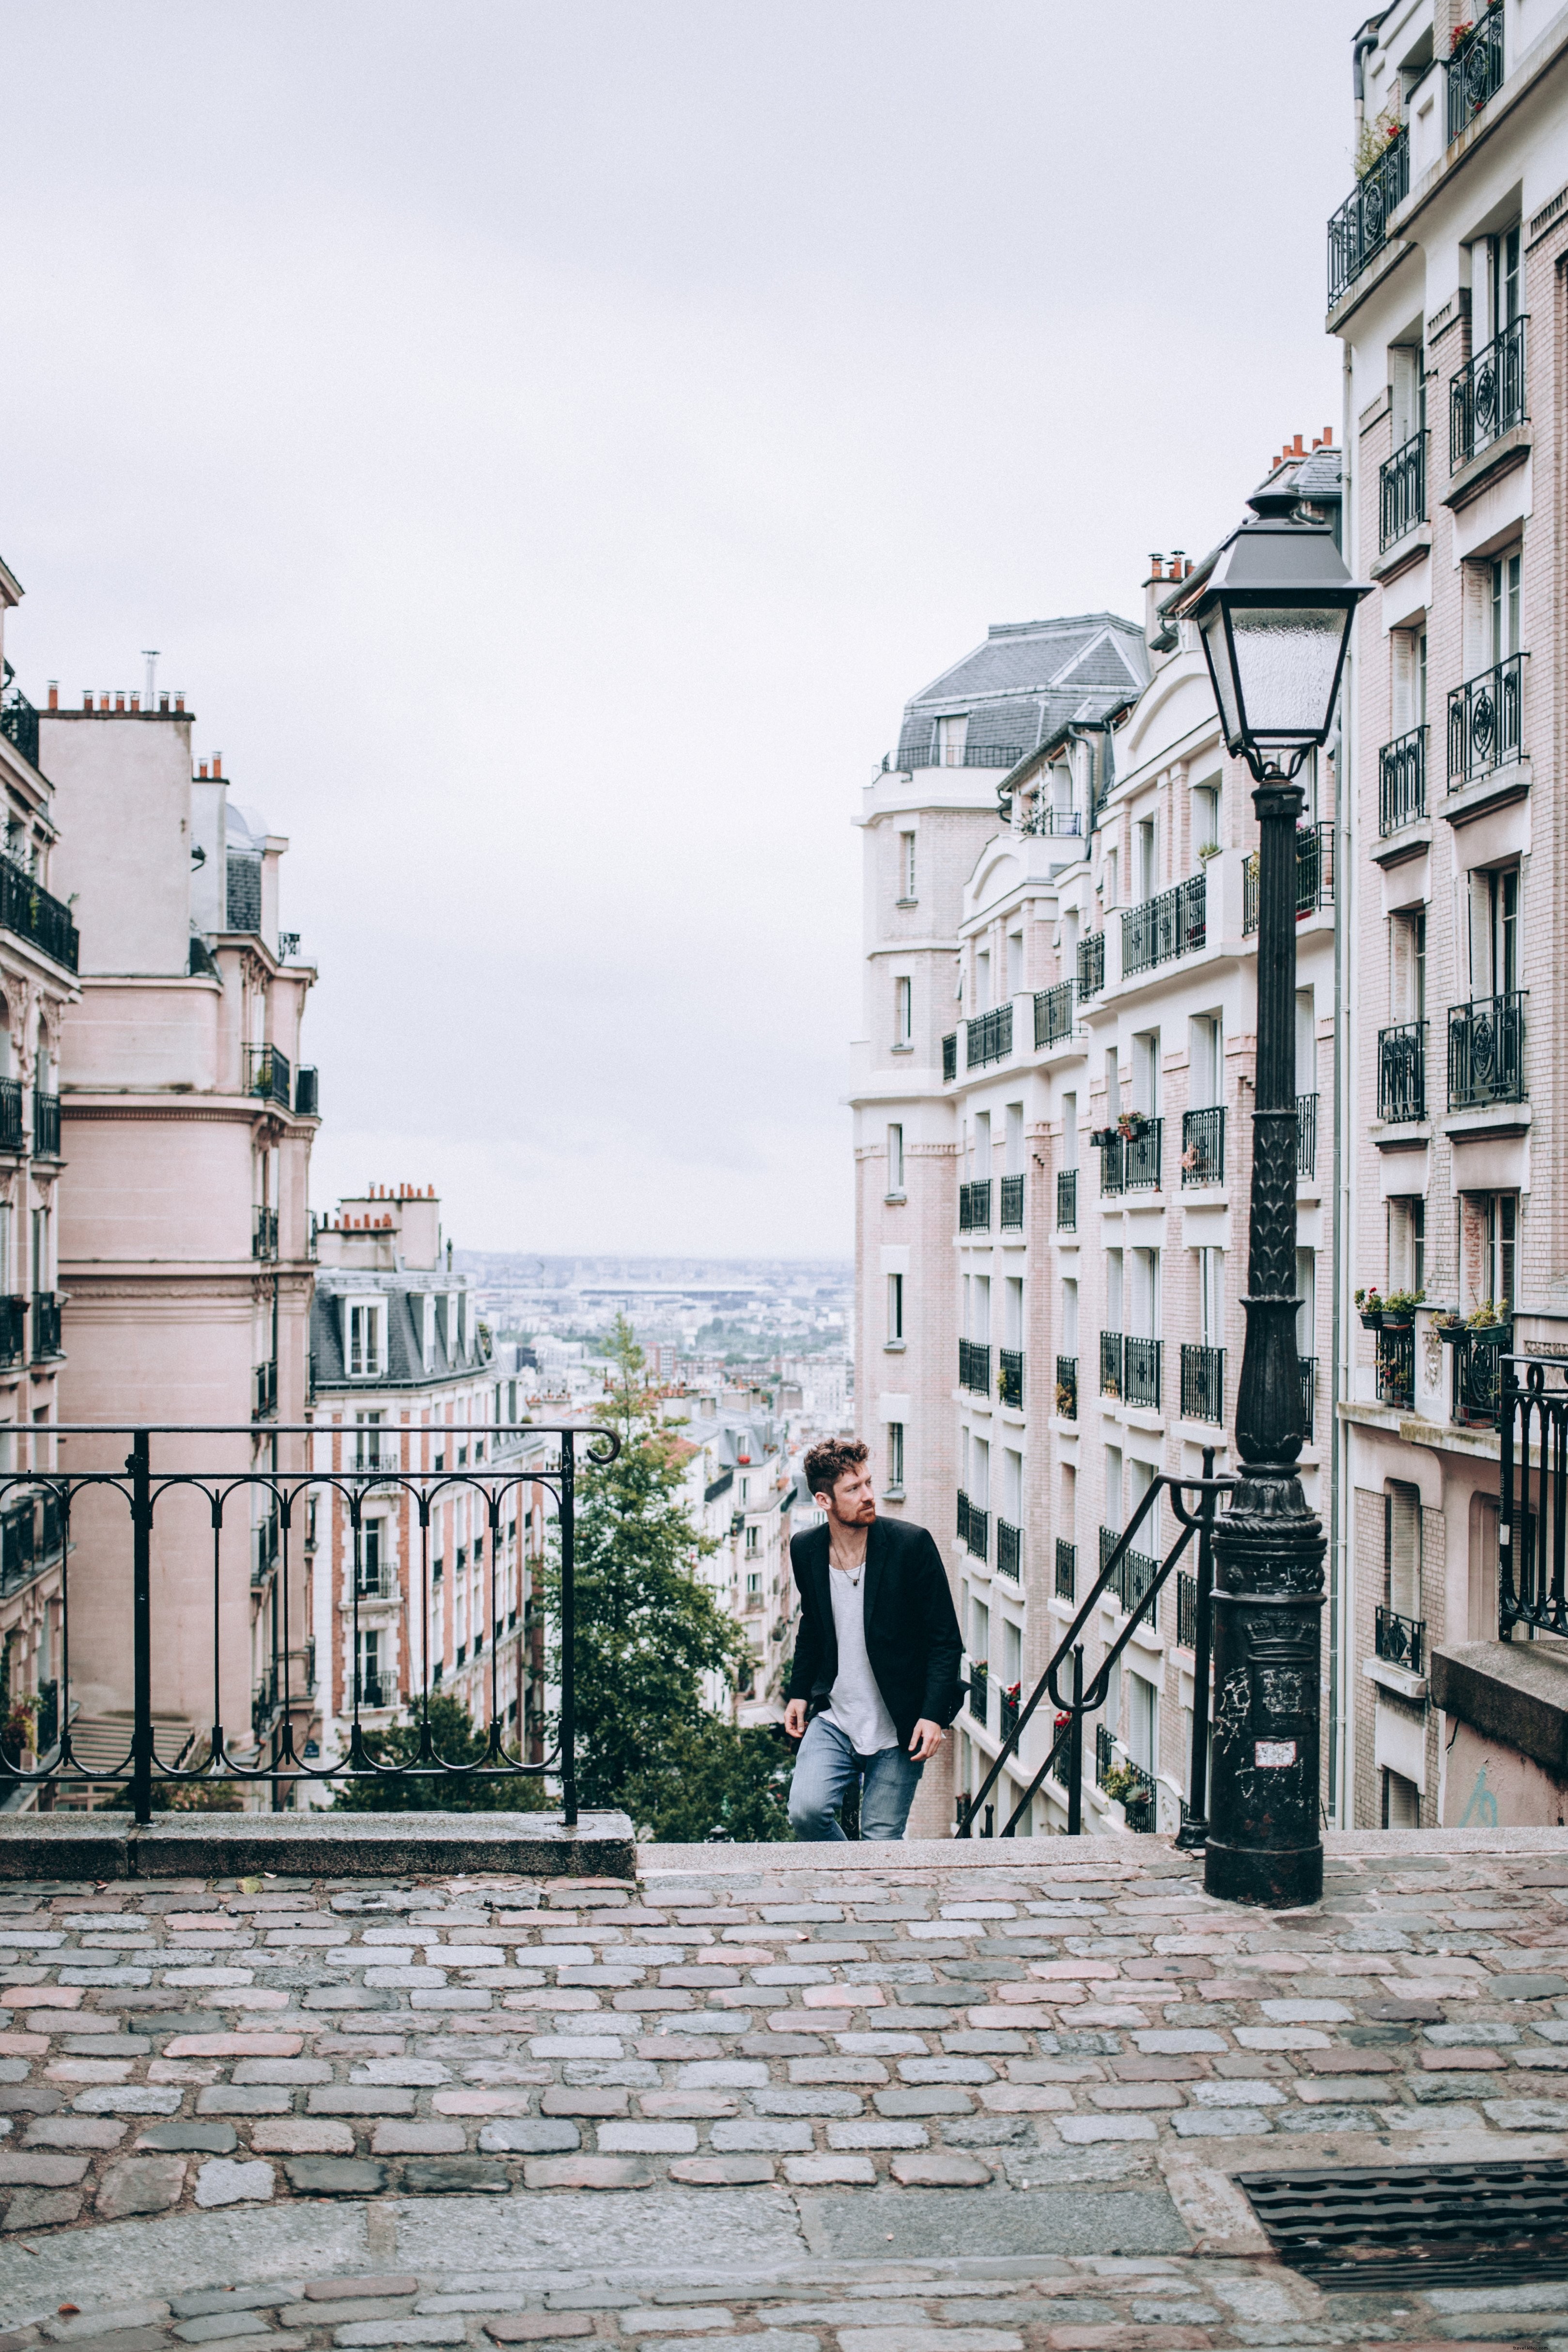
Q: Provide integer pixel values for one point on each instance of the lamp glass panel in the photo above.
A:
(1218, 652)
(1287, 660)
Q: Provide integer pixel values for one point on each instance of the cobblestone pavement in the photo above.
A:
(898, 2101)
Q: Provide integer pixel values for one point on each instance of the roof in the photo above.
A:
(1030, 680)
(1319, 479)
(405, 1365)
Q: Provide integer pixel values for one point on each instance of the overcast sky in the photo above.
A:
(550, 442)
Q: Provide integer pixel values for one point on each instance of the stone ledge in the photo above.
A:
(313, 1845)
(1513, 1692)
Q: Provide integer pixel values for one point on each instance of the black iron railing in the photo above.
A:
(1401, 781)
(979, 1691)
(988, 1037)
(1486, 723)
(1485, 1051)
(270, 1074)
(13, 1128)
(1010, 1549)
(1113, 1171)
(1008, 1708)
(975, 1207)
(961, 1527)
(1066, 1568)
(1067, 1200)
(977, 1534)
(1110, 1363)
(264, 1233)
(1475, 71)
(1203, 1145)
(975, 1367)
(1400, 1641)
(307, 1091)
(1053, 1013)
(1478, 1373)
(20, 724)
(12, 1331)
(1091, 964)
(1314, 868)
(1397, 1366)
(1009, 1377)
(1133, 1581)
(1140, 1369)
(910, 756)
(1402, 490)
(1202, 1382)
(1308, 1368)
(263, 1397)
(1306, 1135)
(46, 1326)
(1532, 1443)
(1186, 1609)
(1048, 822)
(27, 909)
(46, 1125)
(950, 1054)
(1067, 1387)
(1012, 1204)
(1141, 1153)
(1358, 231)
(1173, 924)
(1402, 1072)
(120, 1523)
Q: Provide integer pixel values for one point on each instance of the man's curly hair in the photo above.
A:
(826, 1463)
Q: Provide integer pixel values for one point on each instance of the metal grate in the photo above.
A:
(1401, 2226)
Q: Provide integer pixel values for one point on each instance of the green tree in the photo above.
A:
(648, 1631)
(456, 1739)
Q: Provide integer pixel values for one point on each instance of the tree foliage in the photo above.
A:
(456, 1739)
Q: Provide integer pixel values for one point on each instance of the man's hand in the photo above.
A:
(925, 1739)
(795, 1718)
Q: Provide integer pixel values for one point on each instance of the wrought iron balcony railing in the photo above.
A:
(1485, 1051)
(46, 1326)
(1486, 723)
(20, 724)
(1067, 1200)
(1012, 1204)
(1009, 1377)
(1140, 1369)
(1475, 71)
(975, 1367)
(979, 1690)
(975, 1207)
(12, 1331)
(1203, 1145)
(1396, 1367)
(1402, 490)
(950, 1054)
(1112, 1173)
(1048, 823)
(1202, 1382)
(910, 756)
(1308, 1368)
(1401, 1640)
(988, 1037)
(1402, 1072)
(1141, 1154)
(264, 1231)
(12, 1127)
(1478, 1374)
(1306, 1135)
(1358, 231)
(1053, 1013)
(1006, 1709)
(1066, 1568)
(1186, 1609)
(1110, 1363)
(1090, 964)
(978, 1532)
(1401, 781)
(270, 1074)
(1173, 924)
(1067, 1387)
(46, 1125)
(27, 909)
(1314, 876)
(1010, 1549)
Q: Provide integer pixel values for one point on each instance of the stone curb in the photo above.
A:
(314, 1846)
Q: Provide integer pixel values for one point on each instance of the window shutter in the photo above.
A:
(1404, 1550)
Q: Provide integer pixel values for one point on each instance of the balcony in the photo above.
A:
(1007, 1700)
(1053, 1014)
(1401, 1640)
(978, 1532)
(306, 1092)
(1134, 1574)
(1112, 1175)
(1067, 1200)
(12, 1331)
(1186, 1609)
(1091, 965)
(975, 1207)
(46, 1326)
(269, 1074)
(1475, 72)
(1359, 230)
(1315, 877)
(26, 908)
(11, 1125)
(1401, 781)
(1141, 1158)
(944, 754)
(1485, 1051)
(1202, 1147)
(1140, 1370)
(1306, 1135)
(1202, 1384)
(264, 1390)
(1402, 491)
(1396, 1367)
(1308, 1368)
(1012, 1204)
(975, 1367)
(1067, 1387)
(20, 724)
(1066, 1568)
(1486, 723)
(1048, 822)
(1162, 928)
(46, 1125)
(1402, 1073)
(1111, 1364)
(264, 1233)
(950, 1054)
(1009, 1377)
(1010, 1549)
(1478, 1374)
(979, 1692)
(988, 1037)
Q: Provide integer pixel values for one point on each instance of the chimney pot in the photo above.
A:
(87, 697)
(163, 702)
(54, 694)
(103, 698)
(136, 702)
(1328, 436)
(217, 763)
(203, 769)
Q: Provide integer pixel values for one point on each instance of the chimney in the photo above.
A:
(179, 700)
(103, 698)
(163, 702)
(87, 697)
(136, 702)
(1154, 587)
(217, 763)
(202, 770)
(54, 694)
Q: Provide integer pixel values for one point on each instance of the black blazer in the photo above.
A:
(911, 1635)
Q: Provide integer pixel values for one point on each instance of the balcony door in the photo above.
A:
(1401, 1549)
(1144, 883)
(1210, 1297)
(1504, 597)
(1494, 931)
(1407, 391)
(1502, 281)
(1407, 967)
(1144, 1306)
(952, 737)
(1206, 1053)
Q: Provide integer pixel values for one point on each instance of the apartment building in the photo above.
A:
(738, 1492)
(401, 1384)
(1448, 270)
(38, 959)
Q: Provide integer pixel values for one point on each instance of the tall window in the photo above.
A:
(365, 1351)
(895, 1456)
(1211, 1297)
(368, 1670)
(903, 1012)
(1407, 966)
(1011, 1505)
(368, 1441)
(1499, 1237)
(1205, 819)
(894, 1307)
(370, 1569)
(896, 1160)
(1401, 1549)
(40, 1249)
(1407, 1242)
(1502, 280)
(1207, 1056)
(906, 867)
(1505, 585)
(1015, 962)
(952, 735)
(1143, 1722)
(1012, 1310)
(1069, 1317)
(1494, 931)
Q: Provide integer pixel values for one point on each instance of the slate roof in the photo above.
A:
(1029, 680)
(405, 1351)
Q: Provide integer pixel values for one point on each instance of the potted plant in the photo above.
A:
(1376, 138)
(1460, 34)
(1448, 1325)
(1400, 1309)
(1101, 1136)
(1489, 1314)
(1369, 1307)
(1209, 849)
(17, 1738)
(1129, 1124)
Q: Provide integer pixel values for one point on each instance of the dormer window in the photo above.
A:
(952, 735)
(367, 1340)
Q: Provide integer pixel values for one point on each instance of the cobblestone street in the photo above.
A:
(888, 2100)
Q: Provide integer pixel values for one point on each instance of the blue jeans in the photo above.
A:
(823, 1770)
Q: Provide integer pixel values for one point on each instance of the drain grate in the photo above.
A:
(1400, 2226)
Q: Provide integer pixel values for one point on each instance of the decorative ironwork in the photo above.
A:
(1401, 781)
(1306, 1135)
(20, 724)
(1402, 490)
(1399, 1640)
(12, 1331)
(1203, 1145)
(270, 1074)
(1067, 1200)
(975, 1367)
(1402, 1072)
(1010, 1549)
(1140, 1369)
(264, 1233)
(1475, 71)
(978, 1533)
(1486, 723)
(27, 909)
(1112, 1173)
(1485, 1051)
(1090, 964)
(11, 1122)
(1048, 822)
(1478, 1374)
(950, 1054)
(910, 756)
(1314, 868)
(1532, 1444)
(1053, 1013)
(1066, 1568)
(306, 1092)
(1008, 1708)
(1397, 1366)
(1187, 1611)
(1067, 1387)
(1308, 1368)
(46, 1326)
(979, 1691)
(1202, 1382)
(1012, 1204)
(1358, 231)
(1141, 1157)
(1110, 1363)
(988, 1037)
(1009, 1377)
(1173, 924)
(46, 1125)
(975, 1207)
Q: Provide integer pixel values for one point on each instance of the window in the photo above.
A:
(1505, 585)
(894, 1307)
(1401, 1549)
(1494, 931)
(1070, 1130)
(1502, 280)
(906, 870)
(1306, 1301)
(40, 1249)
(1144, 1320)
(896, 1458)
(1143, 1722)
(1205, 819)
(903, 1015)
(1146, 1072)
(369, 1568)
(1306, 1042)
(1144, 882)
(1502, 1240)
(1407, 966)
(1012, 1310)
(1109, 879)
(1070, 1318)
(952, 735)
(1112, 1085)
(1407, 1242)
(980, 1474)
(1206, 1053)
(368, 1441)
(1401, 1802)
(368, 1670)
(983, 1144)
(979, 1303)
(752, 1534)
(895, 1163)
(1210, 1297)
(365, 1353)
(983, 980)
(1483, 1567)
(1014, 1145)
(1407, 391)
(1409, 648)
(1012, 1490)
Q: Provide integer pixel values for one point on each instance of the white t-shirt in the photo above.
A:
(855, 1704)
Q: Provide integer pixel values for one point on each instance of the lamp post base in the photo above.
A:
(1284, 1881)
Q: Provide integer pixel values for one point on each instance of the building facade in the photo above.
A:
(739, 1493)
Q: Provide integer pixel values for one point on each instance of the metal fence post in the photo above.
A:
(568, 1630)
(139, 1464)
(1193, 1830)
(1076, 1749)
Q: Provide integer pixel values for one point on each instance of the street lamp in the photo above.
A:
(1274, 616)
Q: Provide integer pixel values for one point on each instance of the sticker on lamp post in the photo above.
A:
(1273, 1752)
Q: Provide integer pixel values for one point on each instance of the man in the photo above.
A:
(875, 1677)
